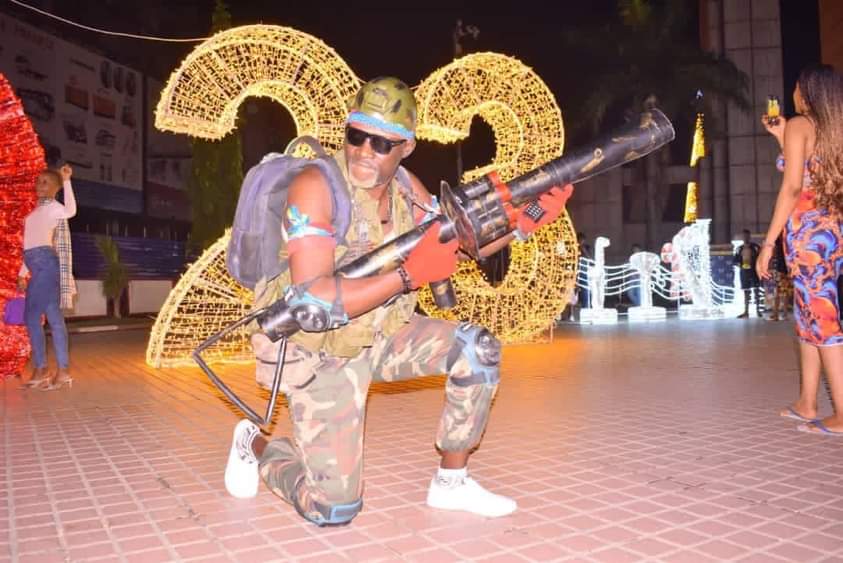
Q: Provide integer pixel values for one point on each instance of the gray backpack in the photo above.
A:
(256, 242)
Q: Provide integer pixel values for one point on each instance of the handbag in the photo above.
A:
(13, 311)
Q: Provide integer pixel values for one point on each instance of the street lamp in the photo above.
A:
(461, 31)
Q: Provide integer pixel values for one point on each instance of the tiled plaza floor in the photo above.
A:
(643, 443)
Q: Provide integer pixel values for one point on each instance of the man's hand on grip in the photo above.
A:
(431, 260)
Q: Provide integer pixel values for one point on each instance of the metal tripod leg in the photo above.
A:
(226, 390)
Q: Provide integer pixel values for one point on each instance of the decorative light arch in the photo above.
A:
(313, 83)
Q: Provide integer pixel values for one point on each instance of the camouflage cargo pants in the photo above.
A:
(327, 403)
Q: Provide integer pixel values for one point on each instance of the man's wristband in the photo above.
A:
(406, 283)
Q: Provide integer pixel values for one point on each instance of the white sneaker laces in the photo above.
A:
(244, 443)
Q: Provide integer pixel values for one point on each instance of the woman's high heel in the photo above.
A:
(40, 380)
(60, 380)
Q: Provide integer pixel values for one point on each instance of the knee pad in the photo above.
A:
(331, 514)
(483, 352)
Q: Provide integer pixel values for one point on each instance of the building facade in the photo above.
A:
(738, 181)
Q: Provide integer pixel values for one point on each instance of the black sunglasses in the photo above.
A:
(380, 145)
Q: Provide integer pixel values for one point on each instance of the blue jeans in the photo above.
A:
(43, 296)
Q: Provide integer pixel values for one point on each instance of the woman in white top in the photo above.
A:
(44, 287)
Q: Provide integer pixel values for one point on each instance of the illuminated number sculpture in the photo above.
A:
(204, 301)
(201, 99)
(307, 77)
(295, 69)
(528, 130)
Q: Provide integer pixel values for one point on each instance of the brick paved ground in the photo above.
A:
(649, 443)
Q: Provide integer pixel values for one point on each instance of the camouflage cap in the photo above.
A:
(387, 103)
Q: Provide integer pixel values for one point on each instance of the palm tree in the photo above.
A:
(649, 56)
(116, 274)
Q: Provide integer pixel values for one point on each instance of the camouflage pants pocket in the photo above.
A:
(299, 364)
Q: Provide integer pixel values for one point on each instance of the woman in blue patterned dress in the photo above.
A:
(808, 208)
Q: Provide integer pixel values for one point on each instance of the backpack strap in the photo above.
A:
(410, 197)
(403, 178)
(340, 196)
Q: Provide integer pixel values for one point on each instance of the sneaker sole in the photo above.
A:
(470, 511)
(434, 504)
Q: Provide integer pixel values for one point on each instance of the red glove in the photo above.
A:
(552, 203)
(431, 260)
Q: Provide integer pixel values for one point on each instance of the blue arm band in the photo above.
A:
(300, 225)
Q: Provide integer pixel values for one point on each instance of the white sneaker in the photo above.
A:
(241, 471)
(470, 497)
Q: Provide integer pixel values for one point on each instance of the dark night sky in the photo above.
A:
(373, 38)
(381, 38)
(800, 40)
(376, 38)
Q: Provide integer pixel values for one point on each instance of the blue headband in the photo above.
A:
(365, 119)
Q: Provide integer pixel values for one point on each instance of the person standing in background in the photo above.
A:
(634, 292)
(746, 257)
(47, 261)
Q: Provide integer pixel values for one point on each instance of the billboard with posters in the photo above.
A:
(168, 164)
(85, 108)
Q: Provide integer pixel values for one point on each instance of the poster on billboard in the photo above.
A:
(168, 164)
(27, 59)
(168, 154)
(85, 108)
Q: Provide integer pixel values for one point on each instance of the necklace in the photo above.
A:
(388, 208)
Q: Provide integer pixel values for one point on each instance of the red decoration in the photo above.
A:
(21, 160)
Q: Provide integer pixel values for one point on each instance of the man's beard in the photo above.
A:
(372, 177)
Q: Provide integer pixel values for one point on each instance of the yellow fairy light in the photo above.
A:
(528, 130)
(504, 93)
(297, 70)
(697, 152)
(204, 301)
(313, 83)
